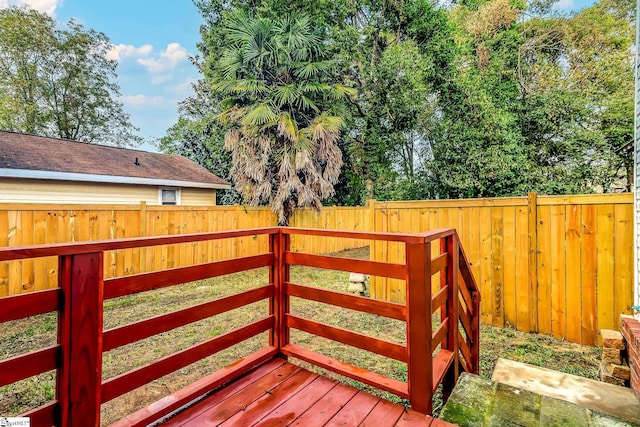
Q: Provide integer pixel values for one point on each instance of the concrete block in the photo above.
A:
(612, 355)
(357, 277)
(607, 376)
(620, 371)
(613, 380)
(612, 339)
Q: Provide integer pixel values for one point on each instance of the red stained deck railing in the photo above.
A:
(433, 358)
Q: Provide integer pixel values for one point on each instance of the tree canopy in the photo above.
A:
(58, 82)
(480, 98)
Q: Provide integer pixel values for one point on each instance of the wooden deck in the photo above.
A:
(261, 387)
(279, 393)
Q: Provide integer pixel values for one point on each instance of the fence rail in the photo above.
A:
(560, 265)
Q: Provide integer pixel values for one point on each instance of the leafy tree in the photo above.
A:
(59, 82)
(577, 97)
(481, 98)
(283, 131)
(198, 136)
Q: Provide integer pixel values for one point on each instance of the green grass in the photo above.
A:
(36, 332)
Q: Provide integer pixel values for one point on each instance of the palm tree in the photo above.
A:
(279, 101)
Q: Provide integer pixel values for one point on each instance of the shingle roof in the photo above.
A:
(35, 153)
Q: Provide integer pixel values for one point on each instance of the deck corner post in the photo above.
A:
(418, 291)
(80, 323)
(279, 244)
(273, 276)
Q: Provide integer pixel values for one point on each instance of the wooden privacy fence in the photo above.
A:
(31, 224)
(560, 265)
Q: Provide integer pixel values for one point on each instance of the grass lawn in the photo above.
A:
(29, 334)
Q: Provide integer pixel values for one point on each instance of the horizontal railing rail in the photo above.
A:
(434, 353)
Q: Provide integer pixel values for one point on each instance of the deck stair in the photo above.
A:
(527, 396)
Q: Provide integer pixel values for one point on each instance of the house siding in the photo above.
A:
(197, 197)
(41, 191)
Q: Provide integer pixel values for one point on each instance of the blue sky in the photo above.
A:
(152, 42)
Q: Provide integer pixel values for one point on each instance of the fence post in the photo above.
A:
(418, 289)
(452, 274)
(143, 233)
(532, 206)
(79, 377)
(372, 214)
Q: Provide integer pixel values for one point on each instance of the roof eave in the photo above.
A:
(106, 179)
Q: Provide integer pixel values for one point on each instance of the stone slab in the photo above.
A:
(617, 401)
(513, 406)
(604, 420)
(478, 402)
(556, 412)
(469, 401)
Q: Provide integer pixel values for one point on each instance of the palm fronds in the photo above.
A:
(279, 87)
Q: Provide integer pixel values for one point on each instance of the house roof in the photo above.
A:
(36, 157)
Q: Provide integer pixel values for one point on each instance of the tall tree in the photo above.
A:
(281, 109)
(59, 82)
(481, 98)
(198, 136)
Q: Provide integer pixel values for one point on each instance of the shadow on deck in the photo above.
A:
(262, 385)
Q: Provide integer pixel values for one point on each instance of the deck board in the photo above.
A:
(355, 411)
(286, 413)
(383, 414)
(281, 394)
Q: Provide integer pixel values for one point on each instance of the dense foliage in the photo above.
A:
(58, 82)
(478, 98)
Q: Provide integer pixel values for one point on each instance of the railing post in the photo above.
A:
(79, 375)
(279, 243)
(285, 272)
(418, 288)
(274, 274)
(475, 328)
(453, 314)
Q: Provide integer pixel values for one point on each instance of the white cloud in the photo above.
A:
(167, 60)
(161, 78)
(117, 52)
(152, 64)
(564, 4)
(46, 6)
(142, 101)
(174, 54)
(184, 89)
